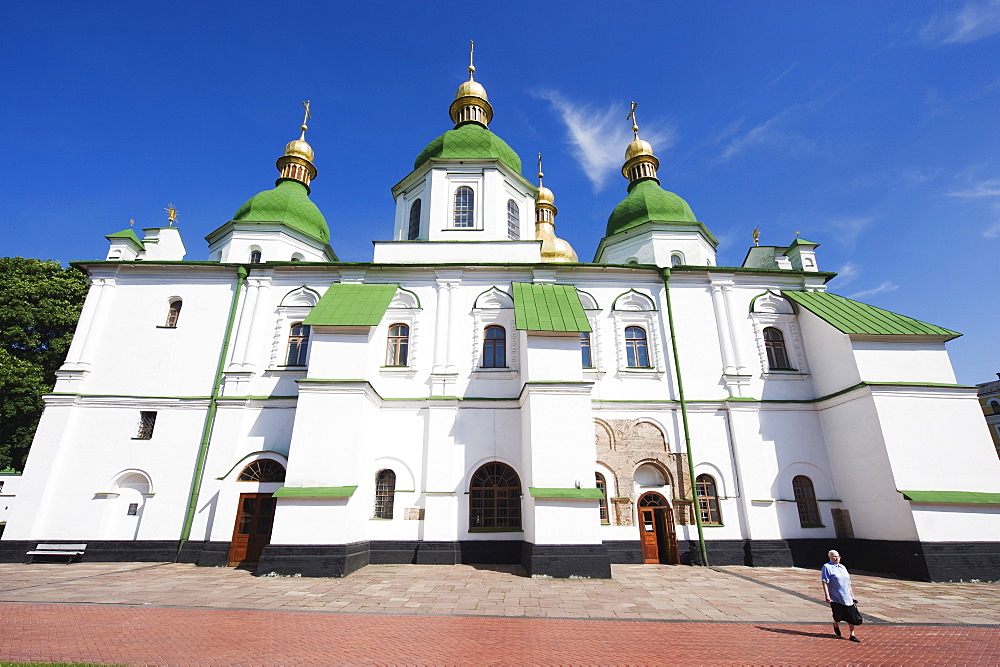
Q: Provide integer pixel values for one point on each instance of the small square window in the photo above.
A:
(147, 421)
(133, 509)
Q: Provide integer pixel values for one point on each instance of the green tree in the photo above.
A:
(40, 303)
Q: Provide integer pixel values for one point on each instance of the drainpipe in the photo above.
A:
(684, 418)
(206, 432)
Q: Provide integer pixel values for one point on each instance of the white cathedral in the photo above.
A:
(476, 394)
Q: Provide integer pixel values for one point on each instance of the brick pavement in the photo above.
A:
(180, 614)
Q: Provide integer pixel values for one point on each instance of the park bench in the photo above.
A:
(49, 550)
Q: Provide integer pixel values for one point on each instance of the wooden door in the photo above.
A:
(656, 529)
(668, 536)
(650, 544)
(254, 518)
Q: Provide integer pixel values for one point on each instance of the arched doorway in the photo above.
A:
(255, 514)
(656, 530)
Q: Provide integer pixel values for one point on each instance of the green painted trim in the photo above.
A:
(548, 308)
(684, 417)
(262, 451)
(965, 497)
(580, 494)
(175, 398)
(206, 432)
(315, 492)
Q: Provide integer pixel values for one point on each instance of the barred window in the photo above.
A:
(385, 489)
(147, 421)
(494, 347)
(495, 498)
(413, 233)
(708, 501)
(805, 499)
(465, 201)
(635, 347)
(263, 470)
(513, 220)
(173, 314)
(397, 347)
(777, 355)
(603, 501)
(255, 256)
(298, 345)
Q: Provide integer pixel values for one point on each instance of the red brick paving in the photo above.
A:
(158, 635)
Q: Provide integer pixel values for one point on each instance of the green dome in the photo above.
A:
(648, 201)
(470, 141)
(287, 203)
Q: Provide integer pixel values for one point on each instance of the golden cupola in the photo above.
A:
(296, 164)
(554, 249)
(639, 159)
(471, 104)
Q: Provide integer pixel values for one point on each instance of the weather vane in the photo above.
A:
(305, 118)
(635, 124)
(756, 236)
(472, 68)
(797, 234)
(540, 174)
(171, 214)
(131, 222)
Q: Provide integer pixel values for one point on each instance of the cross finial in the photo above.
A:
(305, 118)
(171, 214)
(540, 174)
(472, 68)
(631, 114)
(756, 236)
(131, 222)
(797, 234)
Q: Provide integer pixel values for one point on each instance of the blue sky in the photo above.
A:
(873, 128)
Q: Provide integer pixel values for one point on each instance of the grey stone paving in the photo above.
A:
(648, 592)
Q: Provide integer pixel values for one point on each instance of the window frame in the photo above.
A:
(632, 348)
(507, 501)
(385, 494)
(146, 426)
(708, 500)
(413, 222)
(587, 350)
(513, 220)
(804, 492)
(467, 210)
(775, 346)
(255, 256)
(602, 502)
(301, 343)
(173, 313)
(265, 470)
(490, 347)
(395, 343)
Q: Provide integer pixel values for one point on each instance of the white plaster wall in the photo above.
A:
(956, 523)
(831, 357)
(903, 362)
(10, 481)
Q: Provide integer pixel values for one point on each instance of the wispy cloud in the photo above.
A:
(847, 274)
(993, 231)
(598, 136)
(972, 22)
(990, 188)
(785, 73)
(769, 132)
(849, 229)
(886, 286)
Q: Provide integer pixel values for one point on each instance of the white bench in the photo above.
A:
(67, 551)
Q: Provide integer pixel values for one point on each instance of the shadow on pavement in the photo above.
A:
(783, 631)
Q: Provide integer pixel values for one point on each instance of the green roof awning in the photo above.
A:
(126, 234)
(537, 492)
(548, 308)
(853, 317)
(352, 305)
(970, 497)
(315, 492)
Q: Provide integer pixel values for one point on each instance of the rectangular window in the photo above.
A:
(588, 361)
(133, 509)
(147, 420)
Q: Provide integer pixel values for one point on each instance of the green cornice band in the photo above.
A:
(315, 492)
(540, 492)
(967, 497)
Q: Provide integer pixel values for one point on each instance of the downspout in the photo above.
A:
(684, 418)
(206, 432)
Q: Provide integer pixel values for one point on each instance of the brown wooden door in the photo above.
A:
(254, 518)
(650, 544)
(668, 536)
(656, 529)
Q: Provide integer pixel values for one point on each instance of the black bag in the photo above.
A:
(856, 618)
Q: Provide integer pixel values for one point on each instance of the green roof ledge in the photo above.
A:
(579, 494)
(854, 317)
(548, 308)
(469, 141)
(967, 497)
(126, 234)
(348, 305)
(288, 203)
(315, 492)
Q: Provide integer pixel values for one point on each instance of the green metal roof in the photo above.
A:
(538, 492)
(853, 317)
(647, 201)
(971, 497)
(125, 234)
(470, 141)
(352, 305)
(548, 308)
(315, 492)
(289, 204)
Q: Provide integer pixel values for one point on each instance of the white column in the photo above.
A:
(723, 328)
(248, 317)
(727, 293)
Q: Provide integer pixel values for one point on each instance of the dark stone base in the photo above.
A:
(566, 560)
(624, 552)
(313, 560)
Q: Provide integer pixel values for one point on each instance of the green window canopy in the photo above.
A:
(315, 492)
(548, 308)
(538, 492)
(352, 305)
(853, 317)
(969, 497)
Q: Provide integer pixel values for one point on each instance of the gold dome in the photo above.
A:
(471, 88)
(299, 148)
(554, 249)
(638, 147)
(545, 195)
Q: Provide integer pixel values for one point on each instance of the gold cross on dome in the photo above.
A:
(308, 115)
(171, 214)
(635, 124)
(472, 68)
(540, 174)
(756, 236)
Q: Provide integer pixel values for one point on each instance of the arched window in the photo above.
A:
(397, 349)
(297, 257)
(173, 313)
(603, 500)
(413, 233)
(676, 259)
(513, 220)
(777, 355)
(708, 501)
(385, 489)
(298, 345)
(588, 360)
(465, 201)
(495, 498)
(996, 407)
(263, 470)
(635, 347)
(255, 256)
(494, 347)
(805, 499)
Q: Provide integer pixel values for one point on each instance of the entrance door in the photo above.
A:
(252, 533)
(656, 528)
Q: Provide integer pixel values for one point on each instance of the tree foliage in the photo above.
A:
(40, 303)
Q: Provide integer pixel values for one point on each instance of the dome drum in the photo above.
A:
(471, 109)
(640, 166)
(296, 168)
